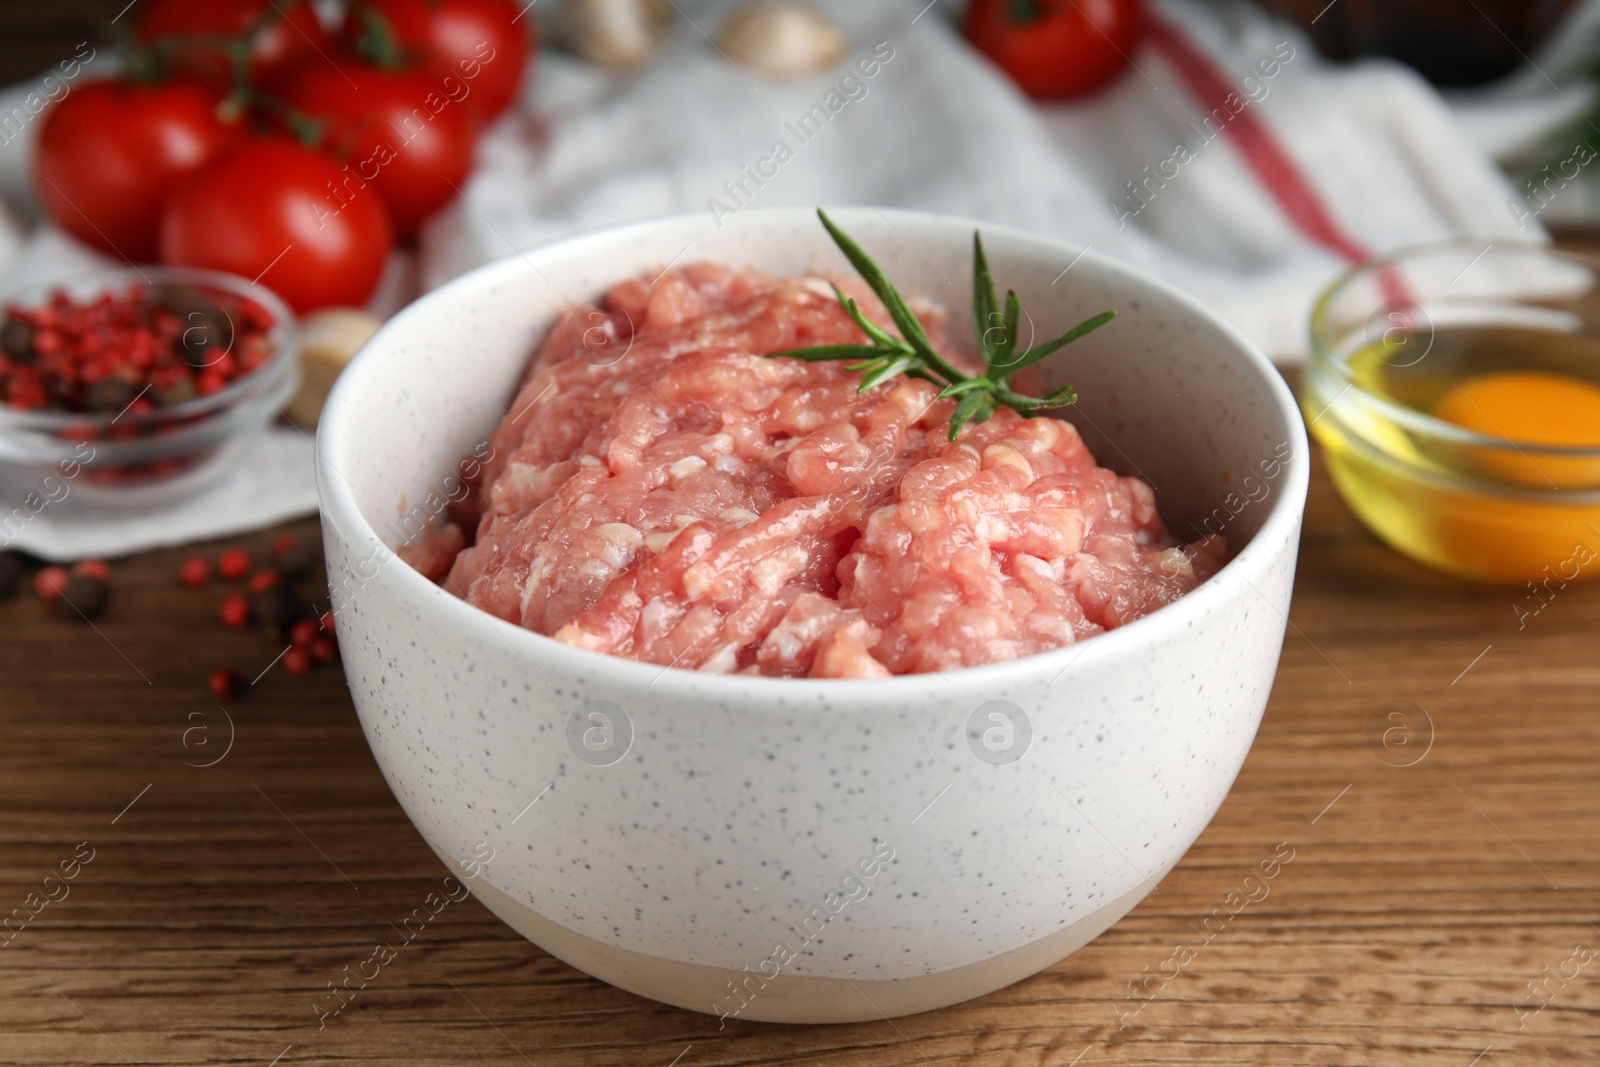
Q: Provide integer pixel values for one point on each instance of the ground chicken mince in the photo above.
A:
(662, 492)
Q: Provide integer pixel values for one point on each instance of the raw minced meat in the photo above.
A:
(661, 491)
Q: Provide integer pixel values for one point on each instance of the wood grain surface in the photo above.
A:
(1441, 913)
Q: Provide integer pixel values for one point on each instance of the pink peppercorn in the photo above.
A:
(235, 611)
(50, 582)
(302, 633)
(195, 572)
(234, 564)
(224, 682)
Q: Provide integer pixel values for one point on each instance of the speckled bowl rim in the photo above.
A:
(1251, 564)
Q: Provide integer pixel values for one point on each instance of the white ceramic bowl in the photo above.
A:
(724, 843)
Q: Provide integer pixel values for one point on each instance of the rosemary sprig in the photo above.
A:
(913, 355)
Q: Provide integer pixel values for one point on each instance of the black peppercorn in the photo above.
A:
(207, 330)
(16, 340)
(85, 598)
(109, 395)
(279, 607)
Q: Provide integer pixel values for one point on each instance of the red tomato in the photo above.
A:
(286, 34)
(396, 129)
(274, 210)
(1056, 48)
(487, 44)
(110, 151)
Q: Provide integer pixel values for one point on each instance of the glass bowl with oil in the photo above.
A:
(1455, 389)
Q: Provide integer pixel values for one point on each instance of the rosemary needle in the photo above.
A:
(912, 354)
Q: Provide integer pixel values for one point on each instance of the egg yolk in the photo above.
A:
(1530, 408)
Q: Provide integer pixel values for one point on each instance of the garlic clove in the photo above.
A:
(621, 34)
(782, 40)
(328, 339)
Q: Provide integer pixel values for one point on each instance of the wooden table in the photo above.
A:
(1438, 869)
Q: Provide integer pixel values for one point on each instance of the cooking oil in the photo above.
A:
(1473, 447)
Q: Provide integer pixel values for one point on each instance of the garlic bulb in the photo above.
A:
(621, 34)
(782, 40)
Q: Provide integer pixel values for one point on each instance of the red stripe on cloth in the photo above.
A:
(1256, 144)
(1263, 154)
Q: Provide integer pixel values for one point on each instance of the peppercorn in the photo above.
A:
(16, 340)
(85, 597)
(179, 392)
(261, 581)
(322, 650)
(297, 661)
(279, 608)
(303, 632)
(49, 582)
(224, 683)
(109, 395)
(207, 330)
(163, 345)
(195, 572)
(207, 339)
(92, 568)
(235, 611)
(234, 564)
(327, 622)
(10, 574)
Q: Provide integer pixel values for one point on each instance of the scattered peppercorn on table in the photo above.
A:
(1406, 872)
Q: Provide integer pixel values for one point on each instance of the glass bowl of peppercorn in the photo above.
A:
(140, 384)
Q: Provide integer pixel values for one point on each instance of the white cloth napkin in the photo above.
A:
(939, 129)
(273, 482)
